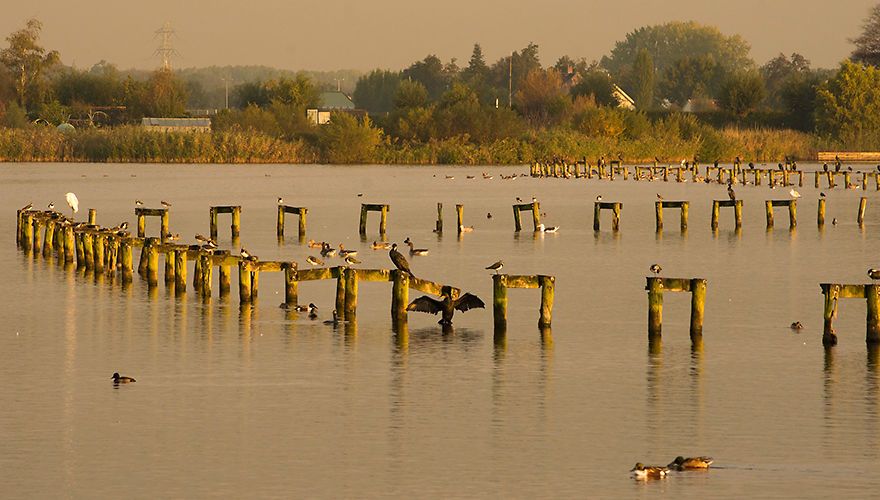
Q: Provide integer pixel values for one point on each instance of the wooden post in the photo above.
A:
(655, 306)
(28, 233)
(863, 203)
(214, 232)
(438, 228)
(69, 244)
(351, 292)
(49, 238)
(516, 219)
(383, 222)
(768, 205)
(150, 246)
(80, 250)
(38, 241)
(163, 231)
(548, 285)
(303, 217)
(792, 213)
(738, 213)
(399, 296)
(125, 257)
(93, 216)
(816, 173)
(499, 301)
(536, 214)
(98, 252)
(207, 269)
(179, 256)
(142, 225)
(459, 213)
(340, 291)
(279, 225)
(864, 181)
(685, 208)
(716, 208)
(363, 225)
(658, 213)
(197, 275)
(170, 271)
(872, 295)
(698, 307)
(236, 222)
(225, 274)
(244, 283)
(846, 179)
(88, 250)
(596, 211)
(820, 218)
(291, 285)
(831, 292)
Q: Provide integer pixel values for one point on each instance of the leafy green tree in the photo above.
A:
(14, 116)
(691, 77)
(798, 100)
(99, 86)
(54, 112)
(459, 113)
(598, 84)
(778, 71)
(476, 70)
(848, 106)
(541, 98)
(410, 94)
(741, 93)
(162, 95)
(868, 43)
(375, 91)
(513, 70)
(349, 140)
(642, 80)
(28, 61)
(432, 73)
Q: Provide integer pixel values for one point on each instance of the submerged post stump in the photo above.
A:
(614, 206)
(235, 226)
(860, 218)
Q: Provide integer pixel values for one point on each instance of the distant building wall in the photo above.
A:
(177, 124)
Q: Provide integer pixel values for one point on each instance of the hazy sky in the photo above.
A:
(366, 34)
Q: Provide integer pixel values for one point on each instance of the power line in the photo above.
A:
(165, 49)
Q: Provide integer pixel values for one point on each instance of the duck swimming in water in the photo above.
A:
(381, 245)
(797, 325)
(415, 251)
(681, 463)
(118, 379)
(641, 471)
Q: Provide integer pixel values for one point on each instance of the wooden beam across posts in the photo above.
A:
(614, 206)
(657, 285)
(500, 284)
(366, 208)
(682, 205)
(234, 210)
(534, 207)
(860, 217)
(143, 213)
(302, 212)
(792, 211)
(737, 211)
(832, 292)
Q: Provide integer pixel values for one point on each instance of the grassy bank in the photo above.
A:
(133, 144)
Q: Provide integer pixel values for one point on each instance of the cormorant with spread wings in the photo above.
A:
(446, 306)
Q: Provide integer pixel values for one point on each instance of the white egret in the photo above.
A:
(72, 202)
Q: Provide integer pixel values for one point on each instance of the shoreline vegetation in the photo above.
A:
(131, 144)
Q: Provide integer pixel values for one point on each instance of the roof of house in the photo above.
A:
(336, 100)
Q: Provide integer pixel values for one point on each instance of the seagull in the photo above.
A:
(138, 203)
(314, 261)
(165, 203)
(171, 237)
(599, 198)
(118, 379)
(72, 202)
(659, 197)
(496, 266)
(247, 255)
(447, 305)
(518, 199)
(203, 239)
(360, 195)
(794, 194)
(399, 260)
(51, 205)
(27, 207)
(874, 274)
(280, 200)
(210, 245)
(327, 250)
(655, 268)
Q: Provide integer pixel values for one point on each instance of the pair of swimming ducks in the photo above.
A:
(641, 471)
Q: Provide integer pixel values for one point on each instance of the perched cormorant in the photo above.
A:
(399, 260)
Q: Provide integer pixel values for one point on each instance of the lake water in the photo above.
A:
(259, 404)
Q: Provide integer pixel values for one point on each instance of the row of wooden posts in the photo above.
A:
(734, 175)
(616, 207)
(109, 251)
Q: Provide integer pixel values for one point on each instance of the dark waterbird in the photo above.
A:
(399, 260)
(446, 306)
(118, 379)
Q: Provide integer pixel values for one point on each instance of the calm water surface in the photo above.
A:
(258, 403)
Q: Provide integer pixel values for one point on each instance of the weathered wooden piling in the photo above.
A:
(614, 206)
(548, 291)
(125, 258)
(833, 292)
(459, 215)
(179, 256)
(88, 250)
(98, 252)
(225, 275)
(234, 210)
(438, 228)
(737, 211)
(534, 207)
(244, 282)
(366, 208)
(151, 247)
(302, 212)
(820, 216)
(656, 286)
(28, 232)
(682, 205)
(499, 301)
(863, 204)
(143, 213)
(93, 217)
(207, 270)
(399, 296)
(351, 293)
(792, 211)
(500, 284)
(69, 244)
(170, 262)
(817, 175)
(49, 237)
(291, 285)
